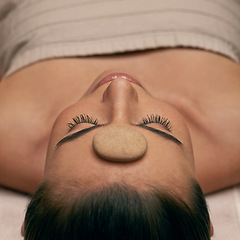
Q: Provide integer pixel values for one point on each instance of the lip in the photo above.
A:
(113, 76)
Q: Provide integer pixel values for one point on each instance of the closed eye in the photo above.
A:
(82, 118)
(155, 118)
(86, 130)
(152, 118)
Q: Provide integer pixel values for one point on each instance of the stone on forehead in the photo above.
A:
(119, 144)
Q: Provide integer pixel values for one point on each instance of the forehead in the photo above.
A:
(163, 165)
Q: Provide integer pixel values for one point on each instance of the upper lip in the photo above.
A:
(112, 76)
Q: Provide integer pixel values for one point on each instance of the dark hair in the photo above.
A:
(117, 212)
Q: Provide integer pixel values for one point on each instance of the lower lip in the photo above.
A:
(113, 76)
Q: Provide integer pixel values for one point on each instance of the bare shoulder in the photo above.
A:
(205, 88)
(216, 130)
(21, 161)
(30, 101)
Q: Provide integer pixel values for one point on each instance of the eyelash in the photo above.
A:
(153, 118)
(82, 118)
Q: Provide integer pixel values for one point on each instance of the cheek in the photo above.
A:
(60, 127)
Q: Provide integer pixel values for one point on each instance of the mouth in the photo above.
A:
(113, 76)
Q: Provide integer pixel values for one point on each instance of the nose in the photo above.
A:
(122, 99)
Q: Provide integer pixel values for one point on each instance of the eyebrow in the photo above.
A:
(86, 130)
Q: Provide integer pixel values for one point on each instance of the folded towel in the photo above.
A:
(225, 213)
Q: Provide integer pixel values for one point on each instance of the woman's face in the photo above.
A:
(120, 100)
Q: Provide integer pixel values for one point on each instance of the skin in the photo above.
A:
(197, 90)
